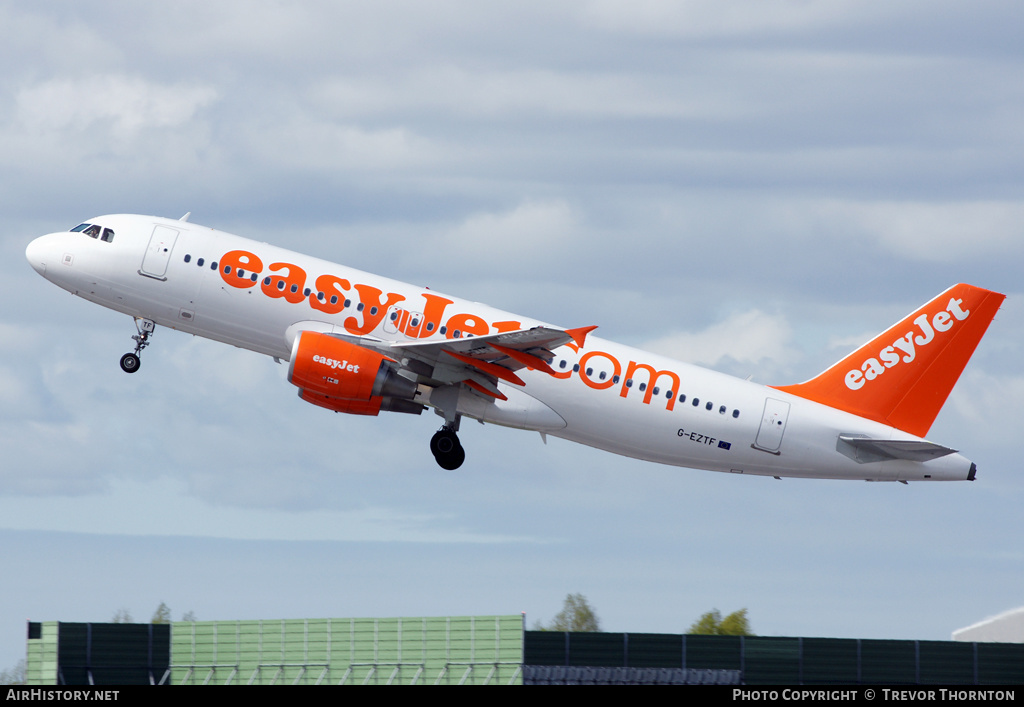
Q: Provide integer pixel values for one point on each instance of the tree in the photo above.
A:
(15, 675)
(576, 615)
(189, 616)
(162, 615)
(712, 624)
(123, 616)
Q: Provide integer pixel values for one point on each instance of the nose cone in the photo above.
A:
(37, 253)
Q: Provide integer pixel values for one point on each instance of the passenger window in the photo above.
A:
(721, 410)
(696, 402)
(199, 262)
(735, 413)
(188, 258)
(709, 406)
(682, 397)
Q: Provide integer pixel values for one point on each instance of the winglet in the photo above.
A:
(579, 334)
(903, 376)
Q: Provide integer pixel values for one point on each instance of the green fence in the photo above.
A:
(473, 650)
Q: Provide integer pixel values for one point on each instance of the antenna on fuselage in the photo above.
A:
(185, 217)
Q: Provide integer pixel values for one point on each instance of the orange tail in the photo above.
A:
(903, 376)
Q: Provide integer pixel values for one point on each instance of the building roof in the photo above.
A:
(1007, 627)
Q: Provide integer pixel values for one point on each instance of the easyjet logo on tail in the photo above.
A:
(918, 360)
(905, 348)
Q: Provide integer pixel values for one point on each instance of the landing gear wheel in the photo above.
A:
(451, 461)
(447, 450)
(130, 363)
(443, 442)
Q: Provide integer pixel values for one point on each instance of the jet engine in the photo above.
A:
(343, 377)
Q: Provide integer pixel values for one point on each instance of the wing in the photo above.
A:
(481, 361)
(478, 361)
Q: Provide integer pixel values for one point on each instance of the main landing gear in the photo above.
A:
(447, 449)
(130, 362)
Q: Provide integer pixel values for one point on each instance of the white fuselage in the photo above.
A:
(605, 395)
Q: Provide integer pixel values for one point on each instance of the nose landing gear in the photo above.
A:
(447, 449)
(130, 362)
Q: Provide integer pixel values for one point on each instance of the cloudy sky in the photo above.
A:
(754, 186)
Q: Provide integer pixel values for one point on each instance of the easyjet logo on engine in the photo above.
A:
(334, 363)
(907, 348)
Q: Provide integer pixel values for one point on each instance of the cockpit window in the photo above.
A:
(93, 231)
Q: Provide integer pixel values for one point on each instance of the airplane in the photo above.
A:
(362, 344)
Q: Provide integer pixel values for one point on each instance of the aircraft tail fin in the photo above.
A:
(903, 376)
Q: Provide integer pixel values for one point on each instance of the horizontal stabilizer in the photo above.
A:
(864, 450)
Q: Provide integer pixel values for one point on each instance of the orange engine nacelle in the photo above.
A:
(352, 407)
(327, 365)
(343, 377)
